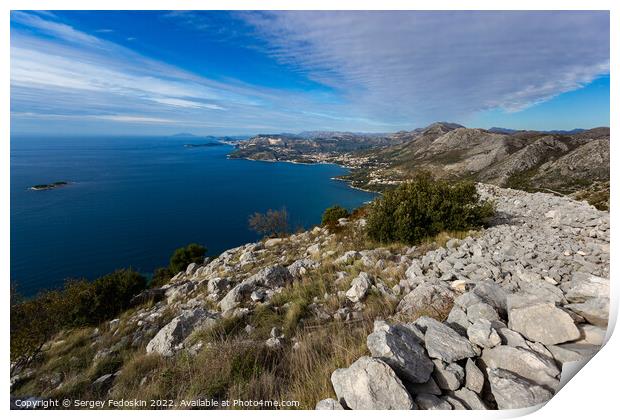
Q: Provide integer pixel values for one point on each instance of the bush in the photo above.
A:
(272, 223)
(424, 207)
(332, 214)
(80, 303)
(182, 257)
(161, 276)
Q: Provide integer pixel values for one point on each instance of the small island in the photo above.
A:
(53, 185)
(212, 144)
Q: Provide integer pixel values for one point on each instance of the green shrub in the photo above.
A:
(161, 276)
(79, 303)
(332, 214)
(182, 257)
(424, 207)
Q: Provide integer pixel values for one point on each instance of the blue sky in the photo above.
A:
(218, 73)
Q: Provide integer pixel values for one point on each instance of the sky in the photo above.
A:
(232, 73)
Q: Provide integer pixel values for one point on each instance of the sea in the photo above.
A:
(131, 201)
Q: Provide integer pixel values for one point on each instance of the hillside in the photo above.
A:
(564, 162)
(531, 161)
(483, 320)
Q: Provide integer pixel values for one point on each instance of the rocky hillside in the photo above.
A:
(561, 162)
(523, 159)
(326, 318)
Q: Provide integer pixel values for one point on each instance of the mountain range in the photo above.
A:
(562, 162)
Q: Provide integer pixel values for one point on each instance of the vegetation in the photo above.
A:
(182, 257)
(79, 303)
(423, 207)
(332, 214)
(273, 223)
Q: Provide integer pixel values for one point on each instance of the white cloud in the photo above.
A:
(186, 104)
(440, 64)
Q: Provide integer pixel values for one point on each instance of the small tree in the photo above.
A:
(332, 214)
(161, 276)
(424, 207)
(182, 257)
(272, 223)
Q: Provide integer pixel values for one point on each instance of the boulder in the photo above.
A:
(591, 334)
(455, 403)
(301, 267)
(573, 352)
(431, 402)
(217, 285)
(595, 311)
(442, 342)
(272, 277)
(526, 363)
(481, 311)
(427, 299)
(543, 323)
(482, 334)
(470, 399)
(359, 287)
(191, 269)
(492, 294)
(428, 387)
(474, 378)
(400, 349)
(457, 320)
(347, 258)
(170, 337)
(370, 384)
(448, 376)
(584, 286)
(512, 391)
(328, 404)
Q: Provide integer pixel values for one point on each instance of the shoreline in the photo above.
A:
(349, 168)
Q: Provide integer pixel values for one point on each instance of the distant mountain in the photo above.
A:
(521, 159)
(562, 160)
(511, 131)
(183, 135)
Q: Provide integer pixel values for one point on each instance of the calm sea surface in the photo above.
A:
(133, 200)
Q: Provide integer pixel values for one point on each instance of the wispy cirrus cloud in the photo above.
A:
(423, 64)
(382, 71)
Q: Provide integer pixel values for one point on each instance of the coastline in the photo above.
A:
(349, 168)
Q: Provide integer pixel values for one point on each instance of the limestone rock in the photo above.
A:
(448, 376)
(172, 334)
(328, 404)
(399, 348)
(526, 363)
(370, 384)
(474, 378)
(442, 342)
(512, 391)
(359, 287)
(431, 402)
(543, 323)
(470, 399)
(482, 334)
(481, 311)
(427, 298)
(595, 311)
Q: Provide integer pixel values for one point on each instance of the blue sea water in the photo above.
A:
(133, 200)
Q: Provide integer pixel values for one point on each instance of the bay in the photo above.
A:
(131, 201)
